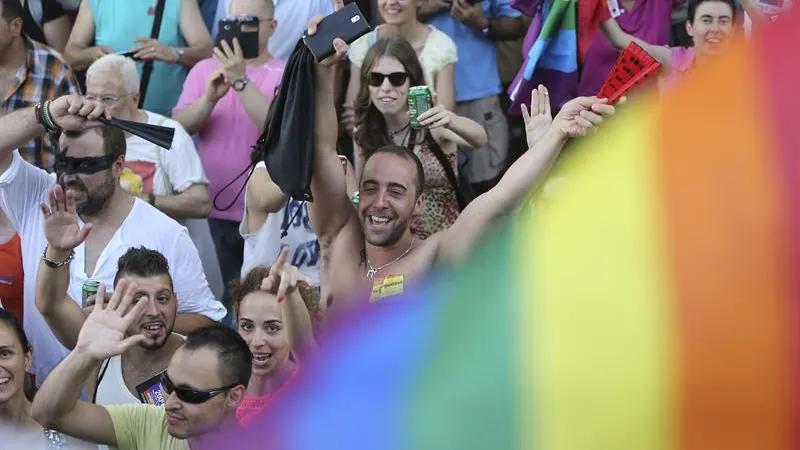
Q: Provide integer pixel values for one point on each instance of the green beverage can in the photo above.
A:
(89, 289)
(419, 101)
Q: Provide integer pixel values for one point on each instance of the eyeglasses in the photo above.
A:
(108, 100)
(397, 79)
(189, 395)
(247, 18)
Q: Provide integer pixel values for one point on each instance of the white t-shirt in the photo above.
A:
(149, 168)
(292, 17)
(23, 186)
(261, 247)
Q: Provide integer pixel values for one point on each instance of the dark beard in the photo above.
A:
(96, 199)
(393, 237)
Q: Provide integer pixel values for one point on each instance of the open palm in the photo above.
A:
(61, 227)
(539, 118)
(103, 334)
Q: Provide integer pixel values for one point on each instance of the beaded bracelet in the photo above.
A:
(50, 124)
(39, 116)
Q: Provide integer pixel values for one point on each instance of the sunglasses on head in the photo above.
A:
(397, 79)
(189, 395)
(92, 164)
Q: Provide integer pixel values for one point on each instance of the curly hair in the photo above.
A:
(252, 283)
(371, 131)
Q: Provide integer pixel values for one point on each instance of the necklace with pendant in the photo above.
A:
(374, 270)
(393, 133)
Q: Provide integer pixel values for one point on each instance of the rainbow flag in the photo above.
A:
(650, 301)
(552, 59)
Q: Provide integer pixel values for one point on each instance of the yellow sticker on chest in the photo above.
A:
(387, 286)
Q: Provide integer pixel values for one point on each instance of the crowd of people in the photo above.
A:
(151, 297)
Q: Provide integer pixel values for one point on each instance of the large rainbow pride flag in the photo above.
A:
(649, 302)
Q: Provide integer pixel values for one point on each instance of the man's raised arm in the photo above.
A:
(56, 405)
(575, 119)
(62, 314)
(331, 209)
(70, 112)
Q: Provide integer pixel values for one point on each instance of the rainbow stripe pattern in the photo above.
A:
(552, 59)
(649, 301)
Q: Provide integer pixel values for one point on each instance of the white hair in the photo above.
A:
(117, 65)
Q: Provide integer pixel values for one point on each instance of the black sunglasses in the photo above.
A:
(397, 78)
(189, 395)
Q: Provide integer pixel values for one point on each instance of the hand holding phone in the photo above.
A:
(245, 30)
(347, 24)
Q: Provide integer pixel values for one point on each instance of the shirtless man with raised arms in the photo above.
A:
(367, 247)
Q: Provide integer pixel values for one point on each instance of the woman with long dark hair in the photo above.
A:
(437, 53)
(390, 68)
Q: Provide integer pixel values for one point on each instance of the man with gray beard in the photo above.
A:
(89, 162)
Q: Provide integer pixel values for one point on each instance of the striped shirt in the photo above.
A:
(45, 75)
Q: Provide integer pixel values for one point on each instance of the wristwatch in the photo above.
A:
(240, 84)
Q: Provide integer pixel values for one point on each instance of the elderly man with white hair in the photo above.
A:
(171, 180)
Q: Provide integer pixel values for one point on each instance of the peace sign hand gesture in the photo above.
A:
(283, 278)
(61, 226)
(103, 334)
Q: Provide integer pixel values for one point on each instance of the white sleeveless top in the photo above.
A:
(263, 246)
(112, 389)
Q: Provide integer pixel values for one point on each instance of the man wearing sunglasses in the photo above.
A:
(204, 384)
(90, 161)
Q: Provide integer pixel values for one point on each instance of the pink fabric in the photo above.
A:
(251, 407)
(648, 20)
(225, 140)
(679, 68)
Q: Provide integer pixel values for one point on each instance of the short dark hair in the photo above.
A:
(113, 140)
(12, 9)
(406, 154)
(691, 8)
(11, 320)
(235, 360)
(142, 262)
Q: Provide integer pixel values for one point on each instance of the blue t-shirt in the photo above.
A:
(476, 69)
(119, 22)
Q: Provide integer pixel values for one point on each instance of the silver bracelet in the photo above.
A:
(57, 264)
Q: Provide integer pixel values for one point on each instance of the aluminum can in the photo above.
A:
(89, 289)
(420, 100)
